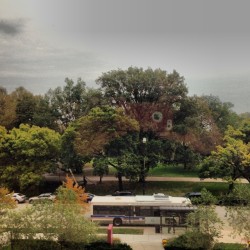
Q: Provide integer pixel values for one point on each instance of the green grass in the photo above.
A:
(173, 171)
(122, 231)
(162, 170)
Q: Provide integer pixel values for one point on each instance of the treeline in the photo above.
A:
(134, 120)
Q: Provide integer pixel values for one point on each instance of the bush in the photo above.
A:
(52, 245)
(229, 246)
(190, 241)
(34, 244)
(106, 246)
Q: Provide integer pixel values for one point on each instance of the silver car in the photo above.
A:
(19, 198)
(45, 196)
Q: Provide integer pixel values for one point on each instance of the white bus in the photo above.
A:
(157, 209)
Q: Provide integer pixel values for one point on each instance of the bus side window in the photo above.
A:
(157, 213)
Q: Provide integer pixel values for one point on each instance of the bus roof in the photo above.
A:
(141, 200)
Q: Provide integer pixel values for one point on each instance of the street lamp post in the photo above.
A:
(144, 141)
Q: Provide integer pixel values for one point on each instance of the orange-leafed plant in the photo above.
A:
(71, 193)
(6, 200)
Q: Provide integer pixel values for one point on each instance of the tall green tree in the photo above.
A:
(25, 106)
(66, 102)
(195, 127)
(27, 152)
(99, 127)
(238, 216)
(144, 94)
(95, 131)
(72, 101)
(69, 156)
(222, 112)
(8, 109)
(229, 161)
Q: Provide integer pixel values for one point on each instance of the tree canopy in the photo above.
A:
(141, 93)
(99, 127)
(230, 160)
(26, 153)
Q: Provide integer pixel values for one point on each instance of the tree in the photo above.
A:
(72, 101)
(44, 115)
(25, 107)
(149, 96)
(158, 101)
(71, 192)
(67, 102)
(99, 127)
(62, 220)
(245, 129)
(101, 166)
(204, 221)
(27, 153)
(238, 216)
(230, 161)
(6, 200)
(8, 109)
(222, 112)
(194, 127)
(69, 156)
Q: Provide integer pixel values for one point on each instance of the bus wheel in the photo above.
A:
(117, 222)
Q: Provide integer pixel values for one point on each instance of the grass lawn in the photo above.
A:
(173, 171)
(162, 170)
(122, 231)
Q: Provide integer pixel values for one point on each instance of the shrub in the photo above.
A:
(106, 246)
(66, 245)
(34, 244)
(191, 240)
(229, 246)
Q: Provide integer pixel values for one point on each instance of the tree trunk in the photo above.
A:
(230, 187)
(120, 183)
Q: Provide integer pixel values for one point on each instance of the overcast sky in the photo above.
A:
(208, 42)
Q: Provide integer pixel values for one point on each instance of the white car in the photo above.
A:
(19, 198)
(45, 196)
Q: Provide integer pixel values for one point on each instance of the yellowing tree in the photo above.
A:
(6, 201)
(71, 193)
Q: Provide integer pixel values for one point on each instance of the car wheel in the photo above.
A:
(117, 222)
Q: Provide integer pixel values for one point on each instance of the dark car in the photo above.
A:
(192, 195)
(90, 197)
(123, 193)
(195, 197)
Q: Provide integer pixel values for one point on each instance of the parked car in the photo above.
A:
(192, 195)
(195, 197)
(123, 193)
(18, 197)
(90, 197)
(45, 196)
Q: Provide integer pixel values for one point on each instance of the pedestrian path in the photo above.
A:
(95, 179)
(148, 241)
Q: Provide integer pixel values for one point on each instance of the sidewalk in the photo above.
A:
(148, 241)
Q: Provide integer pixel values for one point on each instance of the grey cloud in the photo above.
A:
(13, 27)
